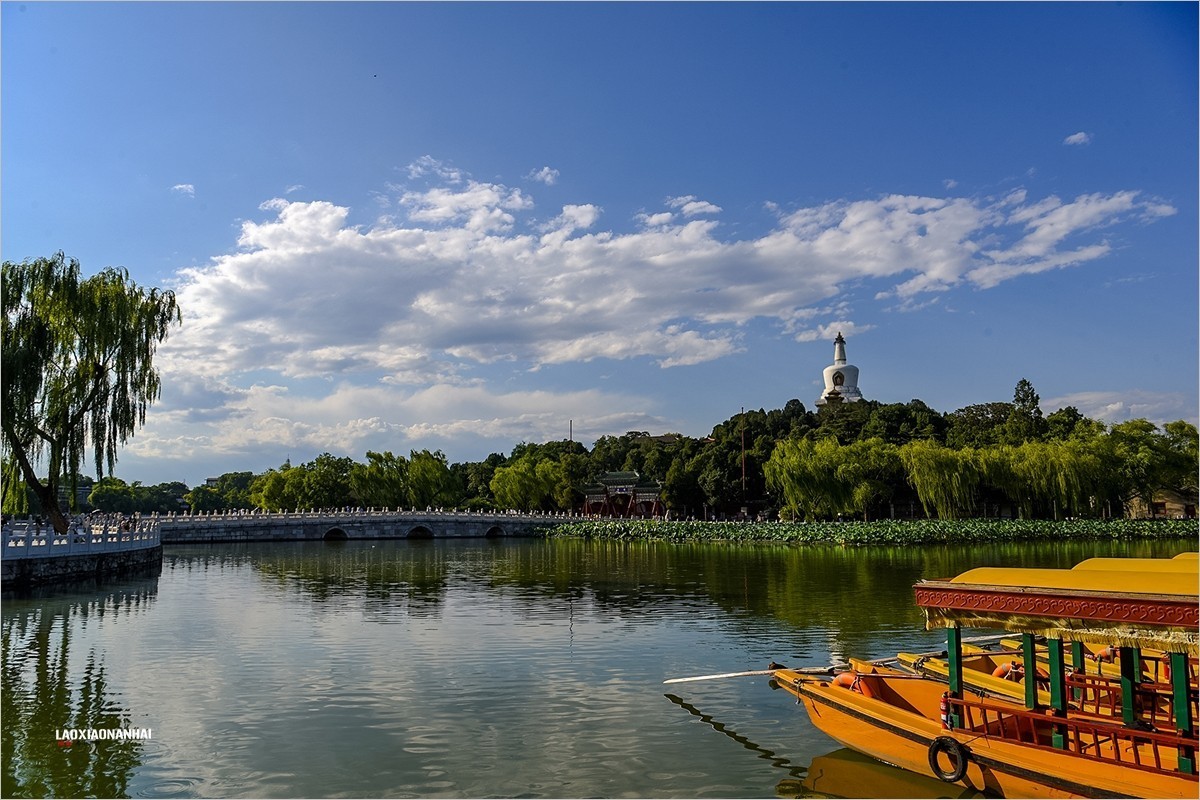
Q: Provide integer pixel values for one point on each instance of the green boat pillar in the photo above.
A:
(1079, 664)
(1131, 678)
(954, 662)
(1058, 689)
(1029, 659)
(1184, 724)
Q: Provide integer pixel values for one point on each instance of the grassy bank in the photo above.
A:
(881, 532)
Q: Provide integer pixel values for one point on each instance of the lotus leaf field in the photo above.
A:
(880, 532)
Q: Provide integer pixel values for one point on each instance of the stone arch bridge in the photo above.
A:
(349, 524)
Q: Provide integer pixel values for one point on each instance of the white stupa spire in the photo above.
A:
(839, 350)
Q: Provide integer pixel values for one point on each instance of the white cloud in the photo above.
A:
(480, 207)
(1080, 138)
(413, 310)
(690, 206)
(656, 220)
(829, 332)
(544, 175)
(309, 294)
(184, 188)
(428, 166)
(351, 419)
(1047, 225)
(1117, 406)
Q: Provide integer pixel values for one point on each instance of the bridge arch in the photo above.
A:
(419, 532)
(494, 532)
(335, 535)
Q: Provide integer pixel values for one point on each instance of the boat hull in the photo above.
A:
(901, 736)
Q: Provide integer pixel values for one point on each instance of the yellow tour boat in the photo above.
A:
(1035, 747)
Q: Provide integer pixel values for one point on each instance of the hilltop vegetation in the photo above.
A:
(864, 460)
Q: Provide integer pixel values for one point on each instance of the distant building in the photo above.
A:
(623, 494)
(1167, 504)
(841, 378)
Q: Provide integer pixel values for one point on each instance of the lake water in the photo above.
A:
(511, 668)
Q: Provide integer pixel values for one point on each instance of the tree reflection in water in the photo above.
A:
(40, 695)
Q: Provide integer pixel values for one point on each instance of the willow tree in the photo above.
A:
(381, 482)
(811, 477)
(873, 469)
(527, 483)
(945, 479)
(78, 369)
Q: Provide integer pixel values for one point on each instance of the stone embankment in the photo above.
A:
(34, 554)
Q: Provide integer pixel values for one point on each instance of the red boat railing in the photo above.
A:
(1101, 695)
(1109, 742)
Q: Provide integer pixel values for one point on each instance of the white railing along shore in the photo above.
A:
(346, 514)
(33, 539)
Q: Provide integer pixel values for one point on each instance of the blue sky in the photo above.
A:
(461, 226)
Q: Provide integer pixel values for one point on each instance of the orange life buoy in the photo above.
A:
(855, 682)
(846, 679)
(1011, 671)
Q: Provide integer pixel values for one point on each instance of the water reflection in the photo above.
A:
(46, 686)
(845, 773)
(844, 596)
(459, 668)
(795, 772)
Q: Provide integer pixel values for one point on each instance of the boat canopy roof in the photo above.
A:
(1127, 605)
(1142, 565)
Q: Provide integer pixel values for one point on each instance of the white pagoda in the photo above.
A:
(841, 379)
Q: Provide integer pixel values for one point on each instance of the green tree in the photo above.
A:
(280, 489)
(112, 495)
(575, 469)
(977, 425)
(1062, 424)
(681, 488)
(159, 497)
(1025, 422)
(477, 479)
(204, 498)
(428, 479)
(945, 479)
(382, 482)
(234, 489)
(807, 475)
(1181, 465)
(845, 421)
(519, 486)
(872, 468)
(1050, 478)
(900, 423)
(327, 481)
(1148, 459)
(78, 367)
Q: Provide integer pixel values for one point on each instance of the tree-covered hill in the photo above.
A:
(865, 460)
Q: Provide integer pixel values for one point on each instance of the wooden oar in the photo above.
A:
(722, 675)
(819, 670)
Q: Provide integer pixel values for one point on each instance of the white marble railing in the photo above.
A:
(347, 514)
(28, 539)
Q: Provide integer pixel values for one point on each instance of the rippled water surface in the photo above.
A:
(520, 668)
